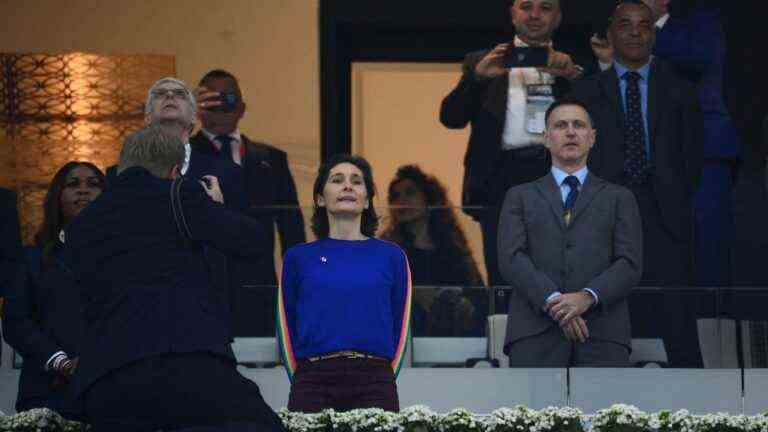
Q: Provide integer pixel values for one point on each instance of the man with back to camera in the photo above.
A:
(649, 139)
(262, 187)
(505, 107)
(157, 349)
(570, 245)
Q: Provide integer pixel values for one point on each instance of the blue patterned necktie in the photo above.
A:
(635, 158)
(226, 146)
(573, 183)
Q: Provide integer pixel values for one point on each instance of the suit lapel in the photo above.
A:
(550, 190)
(592, 185)
(610, 84)
(200, 142)
(498, 91)
(653, 104)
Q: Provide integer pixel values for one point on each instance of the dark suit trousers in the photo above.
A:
(667, 262)
(178, 391)
(551, 349)
(513, 168)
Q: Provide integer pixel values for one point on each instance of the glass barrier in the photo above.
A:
(459, 317)
(744, 319)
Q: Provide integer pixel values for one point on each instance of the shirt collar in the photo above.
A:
(661, 21)
(644, 71)
(560, 175)
(235, 135)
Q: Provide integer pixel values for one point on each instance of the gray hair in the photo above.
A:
(151, 97)
(152, 148)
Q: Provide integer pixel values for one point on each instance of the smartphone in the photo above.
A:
(229, 102)
(520, 57)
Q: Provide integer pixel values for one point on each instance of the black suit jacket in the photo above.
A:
(483, 105)
(675, 131)
(144, 292)
(10, 244)
(271, 199)
(602, 249)
(42, 317)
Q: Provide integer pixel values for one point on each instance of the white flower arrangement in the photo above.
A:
(459, 420)
(300, 422)
(517, 419)
(418, 418)
(364, 420)
(722, 422)
(617, 418)
(554, 419)
(39, 420)
(679, 421)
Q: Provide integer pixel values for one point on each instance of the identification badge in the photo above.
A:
(538, 98)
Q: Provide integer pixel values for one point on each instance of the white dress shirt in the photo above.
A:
(515, 134)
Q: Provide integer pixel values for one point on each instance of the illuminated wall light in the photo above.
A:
(75, 106)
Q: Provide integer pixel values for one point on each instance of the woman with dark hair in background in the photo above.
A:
(344, 303)
(424, 223)
(42, 314)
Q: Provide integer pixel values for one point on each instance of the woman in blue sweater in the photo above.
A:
(345, 300)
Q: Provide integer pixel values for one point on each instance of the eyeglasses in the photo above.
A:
(177, 93)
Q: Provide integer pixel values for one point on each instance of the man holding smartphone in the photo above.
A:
(504, 94)
(262, 188)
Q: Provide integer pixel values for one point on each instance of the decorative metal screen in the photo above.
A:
(55, 108)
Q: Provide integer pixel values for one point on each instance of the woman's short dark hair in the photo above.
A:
(370, 221)
(53, 219)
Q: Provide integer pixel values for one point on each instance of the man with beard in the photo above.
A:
(504, 107)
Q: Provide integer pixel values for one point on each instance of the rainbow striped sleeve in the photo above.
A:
(401, 301)
(285, 307)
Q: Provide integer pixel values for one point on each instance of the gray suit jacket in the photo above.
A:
(601, 249)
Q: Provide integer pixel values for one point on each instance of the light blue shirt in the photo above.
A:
(560, 176)
(645, 73)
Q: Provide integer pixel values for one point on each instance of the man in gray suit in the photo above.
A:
(570, 244)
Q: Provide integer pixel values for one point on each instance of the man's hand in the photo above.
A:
(576, 330)
(206, 99)
(491, 65)
(602, 49)
(566, 307)
(212, 188)
(562, 65)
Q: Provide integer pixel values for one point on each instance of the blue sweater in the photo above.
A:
(344, 295)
